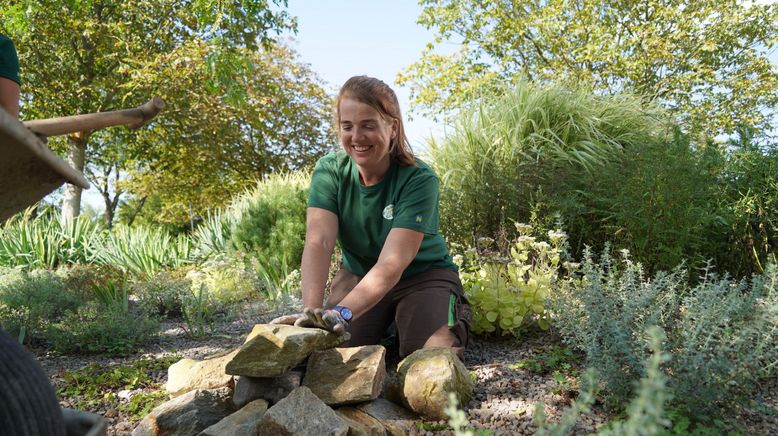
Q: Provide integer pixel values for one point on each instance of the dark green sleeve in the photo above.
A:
(9, 62)
(417, 208)
(323, 192)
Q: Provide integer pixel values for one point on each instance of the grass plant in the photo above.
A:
(531, 139)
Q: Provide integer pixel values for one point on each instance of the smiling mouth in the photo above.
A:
(361, 148)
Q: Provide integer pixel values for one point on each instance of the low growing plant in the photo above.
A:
(509, 290)
(94, 387)
(721, 333)
(97, 328)
(31, 301)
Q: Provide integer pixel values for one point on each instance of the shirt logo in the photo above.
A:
(389, 212)
(419, 219)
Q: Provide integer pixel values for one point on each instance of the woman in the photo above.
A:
(381, 204)
(9, 77)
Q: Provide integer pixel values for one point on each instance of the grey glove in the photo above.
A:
(327, 319)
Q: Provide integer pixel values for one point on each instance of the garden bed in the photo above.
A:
(512, 376)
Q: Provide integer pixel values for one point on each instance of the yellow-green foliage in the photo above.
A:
(506, 293)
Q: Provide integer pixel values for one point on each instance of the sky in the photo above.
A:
(378, 38)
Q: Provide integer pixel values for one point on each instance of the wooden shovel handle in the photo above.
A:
(134, 118)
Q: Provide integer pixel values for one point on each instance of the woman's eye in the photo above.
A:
(346, 128)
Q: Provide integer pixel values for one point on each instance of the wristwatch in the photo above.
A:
(345, 312)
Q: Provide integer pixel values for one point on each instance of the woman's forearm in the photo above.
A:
(372, 288)
(315, 269)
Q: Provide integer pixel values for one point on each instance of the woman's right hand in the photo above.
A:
(326, 319)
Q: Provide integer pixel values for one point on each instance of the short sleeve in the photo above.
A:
(417, 207)
(9, 62)
(323, 192)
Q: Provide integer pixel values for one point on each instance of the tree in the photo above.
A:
(206, 149)
(706, 60)
(83, 56)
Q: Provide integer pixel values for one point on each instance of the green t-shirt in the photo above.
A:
(406, 197)
(9, 63)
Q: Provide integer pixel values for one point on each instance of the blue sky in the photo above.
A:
(379, 38)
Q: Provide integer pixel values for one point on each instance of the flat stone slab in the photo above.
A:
(244, 422)
(273, 349)
(188, 374)
(346, 375)
(396, 419)
(360, 423)
(302, 413)
(187, 415)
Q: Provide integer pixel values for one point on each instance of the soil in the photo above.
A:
(504, 399)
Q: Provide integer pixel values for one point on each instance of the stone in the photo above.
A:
(346, 375)
(187, 414)
(427, 376)
(396, 420)
(245, 421)
(360, 423)
(271, 389)
(302, 413)
(187, 374)
(273, 349)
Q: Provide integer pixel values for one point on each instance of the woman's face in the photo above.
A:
(365, 134)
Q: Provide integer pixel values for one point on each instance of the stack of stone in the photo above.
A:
(287, 380)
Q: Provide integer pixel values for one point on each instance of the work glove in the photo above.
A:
(327, 319)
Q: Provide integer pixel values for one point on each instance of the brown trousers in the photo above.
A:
(429, 309)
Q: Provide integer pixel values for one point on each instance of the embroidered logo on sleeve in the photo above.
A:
(419, 219)
(389, 212)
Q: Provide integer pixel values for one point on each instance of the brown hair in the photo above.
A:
(381, 97)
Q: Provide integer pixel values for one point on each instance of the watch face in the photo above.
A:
(345, 312)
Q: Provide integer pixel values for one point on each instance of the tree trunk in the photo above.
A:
(71, 201)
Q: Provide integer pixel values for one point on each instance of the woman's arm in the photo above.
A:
(399, 250)
(320, 234)
(9, 96)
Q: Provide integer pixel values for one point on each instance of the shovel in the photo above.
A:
(29, 170)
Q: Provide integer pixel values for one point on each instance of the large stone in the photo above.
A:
(244, 422)
(187, 374)
(302, 413)
(396, 420)
(273, 349)
(427, 376)
(346, 375)
(188, 414)
(360, 423)
(271, 389)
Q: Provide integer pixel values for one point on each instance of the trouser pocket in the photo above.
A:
(460, 317)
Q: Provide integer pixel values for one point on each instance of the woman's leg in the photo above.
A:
(432, 312)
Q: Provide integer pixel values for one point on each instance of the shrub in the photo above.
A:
(30, 301)
(97, 328)
(656, 200)
(508, 290)
(227, 279)
(721, 333)
(85, 280)
(267, 222)
(163, 293)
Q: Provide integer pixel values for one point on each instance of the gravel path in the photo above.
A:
(504, 398)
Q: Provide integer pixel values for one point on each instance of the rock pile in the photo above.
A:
(287, 380)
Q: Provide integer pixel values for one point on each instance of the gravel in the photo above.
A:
(503, 401)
